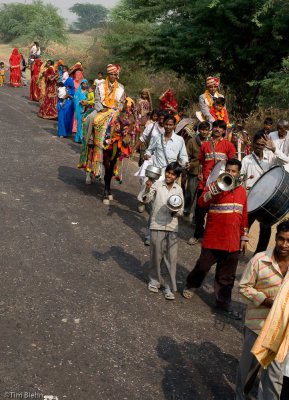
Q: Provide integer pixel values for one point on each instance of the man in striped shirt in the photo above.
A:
(259, 284)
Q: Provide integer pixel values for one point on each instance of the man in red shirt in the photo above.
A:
(225, 235)
(214, 150)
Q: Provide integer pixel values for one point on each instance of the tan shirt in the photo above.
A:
(261, 279)
(161, 216)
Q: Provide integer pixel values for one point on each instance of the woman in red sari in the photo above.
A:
(34, 88)
(168, 102)
(48, 108)
(15, 71)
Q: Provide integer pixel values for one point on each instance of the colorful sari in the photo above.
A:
(66, 111)
(35, 92)
(48, 108)
(15, 68)
(80, 95)
(168, 102)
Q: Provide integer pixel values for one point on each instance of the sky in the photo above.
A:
(64, 5)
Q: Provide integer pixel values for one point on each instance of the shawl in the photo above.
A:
(36, 67)
(79, 94)
(15, 58)
(273, 340)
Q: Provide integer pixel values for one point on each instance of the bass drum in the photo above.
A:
(268, 199)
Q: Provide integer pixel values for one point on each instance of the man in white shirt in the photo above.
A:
(265, 155)
(281, 136)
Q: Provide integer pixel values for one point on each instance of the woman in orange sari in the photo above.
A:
(15, 71)
(34, 88)
(48, 108)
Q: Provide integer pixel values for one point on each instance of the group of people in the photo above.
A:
(111, 126)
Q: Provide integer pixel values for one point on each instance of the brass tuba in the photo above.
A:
(223, 183)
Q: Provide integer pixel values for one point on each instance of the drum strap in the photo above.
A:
(213, 151)
(257, 161)
(164, 150)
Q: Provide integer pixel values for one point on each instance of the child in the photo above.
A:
(2, 73)
(99, 79)
(65, 74)
(62, 93)
(267, 126)
(89, 104)
(218, 110)
(163, 227)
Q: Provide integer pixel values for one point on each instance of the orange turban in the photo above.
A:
(113, 69)
(211, 80)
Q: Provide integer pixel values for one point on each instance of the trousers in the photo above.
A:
(271, 379)
(163, 253)
(225, 273)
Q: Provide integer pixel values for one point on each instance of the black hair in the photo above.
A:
(1, 62)
(219, 100)
(65, 66)
(234, 161)
(268, 121)
(175, 167)
(220, 124)
(204, 125)
(169, 117)
(100, 72)
(283, 226)
(258, 136)
(59, 84)
(153, 112)
(36, 43)
(162, 113)
(90, 82)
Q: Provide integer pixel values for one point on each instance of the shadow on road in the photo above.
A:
(126, 261)
(191, 373)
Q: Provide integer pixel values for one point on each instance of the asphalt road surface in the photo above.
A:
(77, 320)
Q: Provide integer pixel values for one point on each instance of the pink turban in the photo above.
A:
(211, 80)
(113, 69)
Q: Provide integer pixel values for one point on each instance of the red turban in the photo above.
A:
(211, 80)
(113, 69)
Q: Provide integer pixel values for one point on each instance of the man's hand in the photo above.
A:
(200, 177)
(243, 247)
(146, 157)
(149, 184)
(268, 303)
(269, 144)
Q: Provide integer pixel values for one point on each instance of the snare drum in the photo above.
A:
(268, 199)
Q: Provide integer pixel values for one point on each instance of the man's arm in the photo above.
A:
(97, 100)
(248, 283)
(183, 155)
(147, 194)
(152, 146)
(204, 108)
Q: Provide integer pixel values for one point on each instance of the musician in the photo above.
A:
(225, 235)
(212, 151)
(264, 156)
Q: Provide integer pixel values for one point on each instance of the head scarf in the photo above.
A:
(15, 57)
(79, 94)
(168, 100)
(36, 66)
(78, 77)
(113, 69)
(212, 80)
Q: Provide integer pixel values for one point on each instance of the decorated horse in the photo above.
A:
(107, 133)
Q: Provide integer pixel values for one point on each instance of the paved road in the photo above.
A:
(76, 318)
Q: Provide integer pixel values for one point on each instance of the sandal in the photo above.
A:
(152, 288)
(230, 313)
(169, 294)
(188, 293)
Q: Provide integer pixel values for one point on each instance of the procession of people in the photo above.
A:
(177, 157)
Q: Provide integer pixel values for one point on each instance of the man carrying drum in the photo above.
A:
(264, 156)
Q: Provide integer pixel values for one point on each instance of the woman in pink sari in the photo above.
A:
(78, 77)
(15, 71)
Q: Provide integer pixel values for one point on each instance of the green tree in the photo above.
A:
(89, 15)
(241, 40)
(274, 88)
(29, 22)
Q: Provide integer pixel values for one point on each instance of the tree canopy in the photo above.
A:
(89, 15)
(241, 40)
(29, 22)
